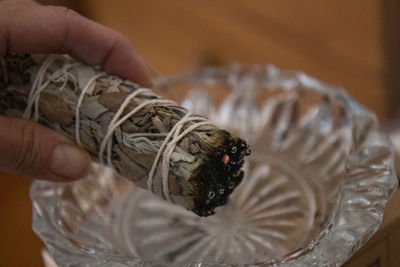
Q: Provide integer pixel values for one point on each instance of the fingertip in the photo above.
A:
(69, 161)
(137, 73)
(125, 62)
(38, 152)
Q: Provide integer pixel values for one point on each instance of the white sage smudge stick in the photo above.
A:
(149, 140)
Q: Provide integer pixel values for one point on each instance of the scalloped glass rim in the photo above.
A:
(337, 242)
(354, 222)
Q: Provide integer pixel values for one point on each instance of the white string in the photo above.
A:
(112, 129)
(78, 106)
(167, 156)
(38, 86)
(168, 145)
(166, 140)
(174, 132)
(107, 138)
(168, 152)
(116, 122)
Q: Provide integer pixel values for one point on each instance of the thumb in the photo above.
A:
(33, 150)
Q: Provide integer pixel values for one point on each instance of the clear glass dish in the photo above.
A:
(315, 189)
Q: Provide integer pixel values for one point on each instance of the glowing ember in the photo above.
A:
(225, 159)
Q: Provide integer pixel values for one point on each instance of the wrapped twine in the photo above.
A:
(150, 140)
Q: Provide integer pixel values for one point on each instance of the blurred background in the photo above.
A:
(353, 44)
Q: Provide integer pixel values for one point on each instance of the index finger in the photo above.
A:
(26, 27)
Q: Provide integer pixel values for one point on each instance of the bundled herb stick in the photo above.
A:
(151, 141)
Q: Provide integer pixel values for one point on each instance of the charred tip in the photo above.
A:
(220, 175)
(205, 213)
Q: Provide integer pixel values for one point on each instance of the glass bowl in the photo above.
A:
(315, 189)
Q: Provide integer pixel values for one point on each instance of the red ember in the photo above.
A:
(225, 159)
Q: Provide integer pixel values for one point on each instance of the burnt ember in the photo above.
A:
(220, 175)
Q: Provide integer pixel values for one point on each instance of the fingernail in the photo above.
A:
(69, 161)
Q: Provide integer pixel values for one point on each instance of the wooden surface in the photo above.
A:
(340, 42)
(391, 48)
(18, 246)
(336, 41)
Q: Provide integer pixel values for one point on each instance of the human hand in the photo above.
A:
(26, 27)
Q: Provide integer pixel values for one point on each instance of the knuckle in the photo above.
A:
(26, 154)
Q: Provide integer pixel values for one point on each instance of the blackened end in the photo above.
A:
(220, 175)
